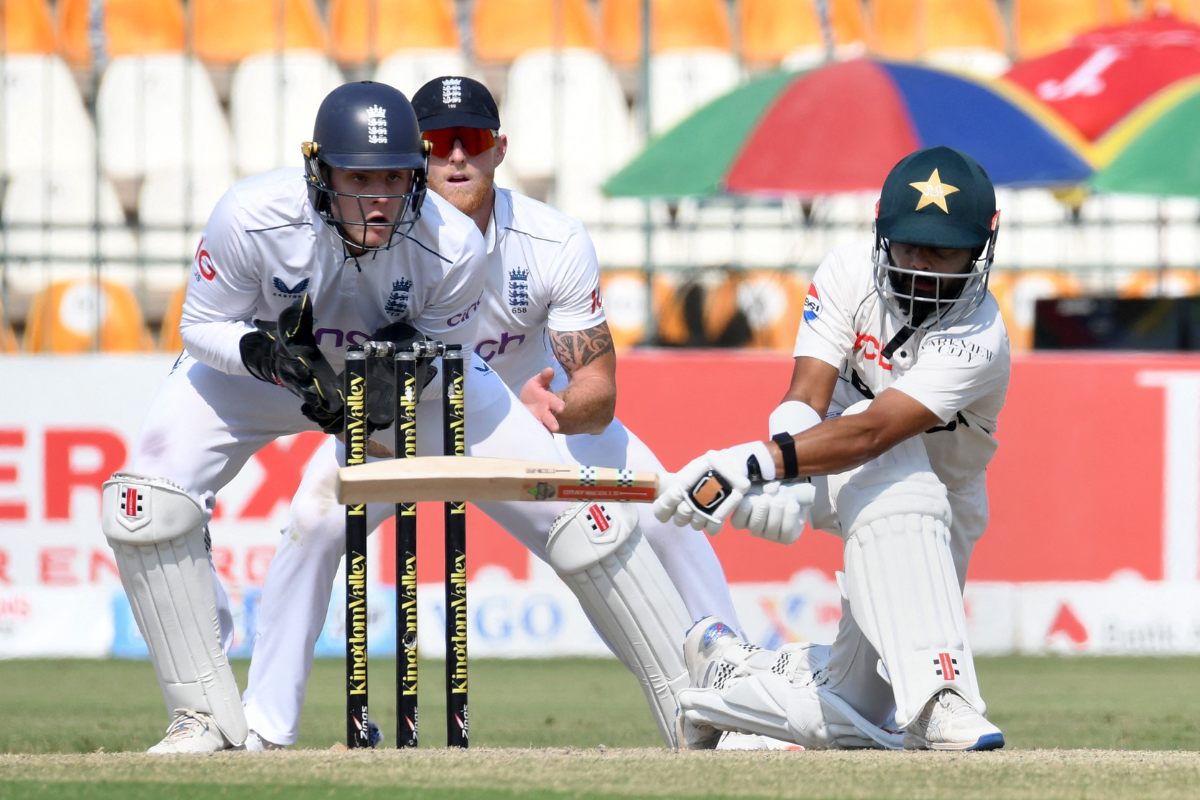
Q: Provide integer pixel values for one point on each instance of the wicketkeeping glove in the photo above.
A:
(286, 354)
(381, 375)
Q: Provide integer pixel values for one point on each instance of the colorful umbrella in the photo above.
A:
(1106, 73)
(1156, 150)
(841, 128)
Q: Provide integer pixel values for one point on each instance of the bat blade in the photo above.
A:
(442, 478)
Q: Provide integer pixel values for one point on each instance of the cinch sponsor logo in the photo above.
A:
(460, 318)
(489, 348)
(340, 337)
(812, 303)
(870, 347)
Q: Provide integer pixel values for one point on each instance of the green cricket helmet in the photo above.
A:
(936, 197)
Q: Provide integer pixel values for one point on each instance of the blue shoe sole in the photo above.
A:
(993, 741)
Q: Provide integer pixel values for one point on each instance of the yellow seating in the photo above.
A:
(1161, 283)
(1018, 291)
(131, 27)
(63, 319)
(504, 29)
(8, 339)
(168, 337)
(907, 29)
(28, 28)
(395, 25)
(1042, 26)
(226, 31)
(1187, 10)
(674, 25)
(624, 292)
(772, 29)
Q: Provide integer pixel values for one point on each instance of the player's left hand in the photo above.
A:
(381, 374)
(778, 514)
(544, 404)
(708, 489)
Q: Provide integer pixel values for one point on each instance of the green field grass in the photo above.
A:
(580, 728)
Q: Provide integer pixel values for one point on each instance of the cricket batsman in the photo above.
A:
(295, 265)
(542, 329)
(883, 439)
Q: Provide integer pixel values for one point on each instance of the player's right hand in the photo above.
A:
(544, 404)
(778, 514)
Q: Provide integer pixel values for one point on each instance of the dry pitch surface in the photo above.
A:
(495, 773)
(1077, 728)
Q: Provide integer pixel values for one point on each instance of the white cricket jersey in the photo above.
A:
(960, 374)
(265, 247)
(541, 273)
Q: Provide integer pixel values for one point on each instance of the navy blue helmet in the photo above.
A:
(365, 126)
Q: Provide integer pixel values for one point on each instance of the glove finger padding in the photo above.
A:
(381, 374)
(309, 375)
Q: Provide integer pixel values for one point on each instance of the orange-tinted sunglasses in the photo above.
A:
(474, 140)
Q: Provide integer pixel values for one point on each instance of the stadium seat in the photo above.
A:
(395, 25)
(961, 34)
(28, 28)
(226, 31)
(566, 119)
(409, 70)
(45, 125)
(682, 81)
(8, 339)
(174, 212)
(1017, 292)
(674, 25)
(48, 220)
(169, 340)
(625, 297)
(790, 31)
(1043, 26)
(131, 28)
(65, 316)
(273, 101)
(504, 29)
(773, 302)
(699, 308)
(1187, 10)
(1160, 283)
(160, 112)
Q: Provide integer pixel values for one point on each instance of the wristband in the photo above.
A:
(787, 446)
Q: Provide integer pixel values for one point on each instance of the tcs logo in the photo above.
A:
(871, 348)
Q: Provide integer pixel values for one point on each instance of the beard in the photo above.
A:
(467, 198)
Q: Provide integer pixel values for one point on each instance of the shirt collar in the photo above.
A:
(500, 221)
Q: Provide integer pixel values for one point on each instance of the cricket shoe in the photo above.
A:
(712, 652)
(255, 743)
(948, 722)
(732, 740)
(191, 732)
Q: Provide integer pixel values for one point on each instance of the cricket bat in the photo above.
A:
(443, 478)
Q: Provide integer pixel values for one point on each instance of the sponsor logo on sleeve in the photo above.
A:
(812, 304)
(283, 290)
(597, 300)
(204, 264)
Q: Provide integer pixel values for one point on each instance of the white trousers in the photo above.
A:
(299, 583)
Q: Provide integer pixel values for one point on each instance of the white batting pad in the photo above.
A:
(156, 531)
(599, 552)
(900, 579)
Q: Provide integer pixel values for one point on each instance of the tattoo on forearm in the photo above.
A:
(575, 349)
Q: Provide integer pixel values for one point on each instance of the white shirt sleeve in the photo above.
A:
(575, 300)
(957, 367)
(451, 314)
(223, 292)
(827, 329)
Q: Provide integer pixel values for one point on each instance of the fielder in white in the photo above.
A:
(542, 330)
(902, 365)
(294, 266)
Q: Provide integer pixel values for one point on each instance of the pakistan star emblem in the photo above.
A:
(934, 192)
